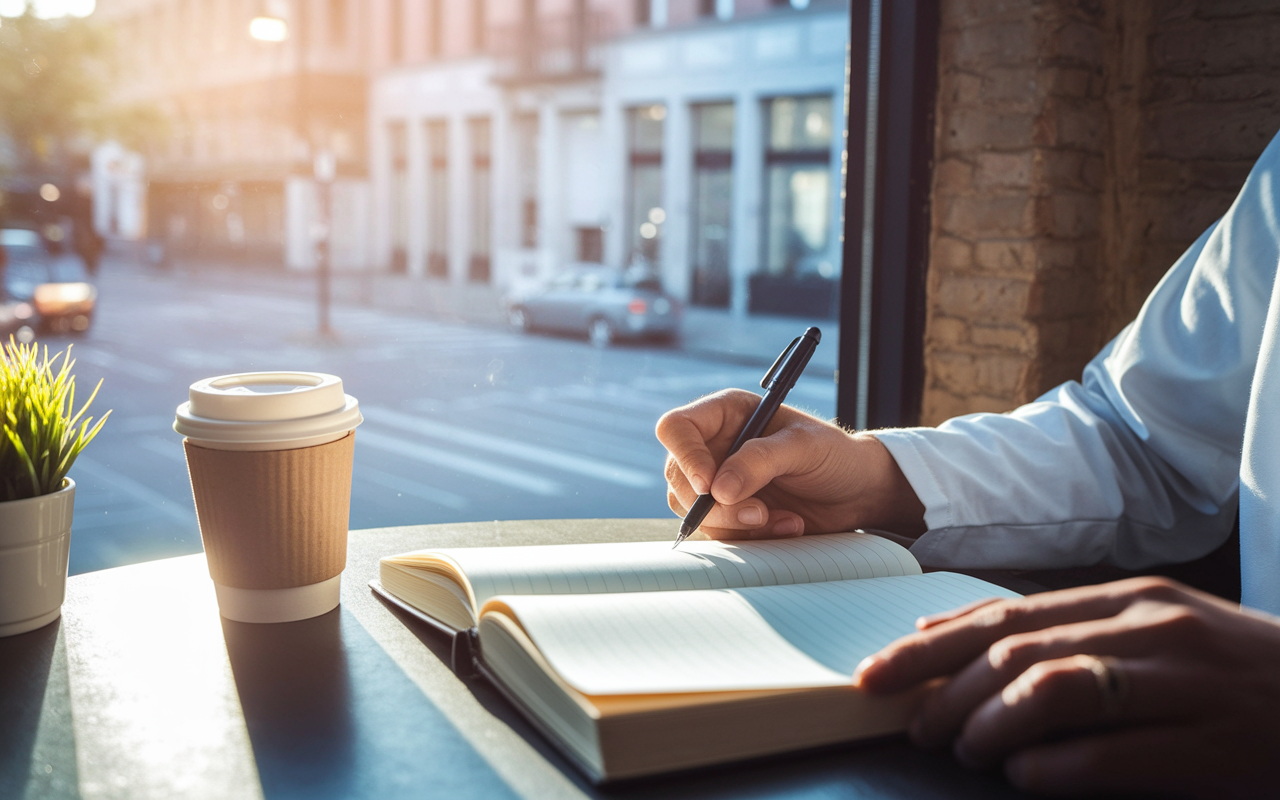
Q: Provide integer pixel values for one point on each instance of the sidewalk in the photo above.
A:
(713, 334)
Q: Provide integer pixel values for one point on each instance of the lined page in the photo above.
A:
(775, 637)
(655, 566)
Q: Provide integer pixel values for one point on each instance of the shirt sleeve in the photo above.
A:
(1136, 464)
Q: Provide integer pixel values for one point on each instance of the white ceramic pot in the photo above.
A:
(35, 537)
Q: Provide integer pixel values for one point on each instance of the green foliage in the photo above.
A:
(55, 79)
(40, 438)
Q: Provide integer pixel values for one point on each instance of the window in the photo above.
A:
(337, 23)
(435, 28)
(395, 33)
(398, 145)
(526, 144)
(590, 244)
(481, 199)
(438, 198)
(798, 190)
(712, 203)
(645, 212)
(479, 25)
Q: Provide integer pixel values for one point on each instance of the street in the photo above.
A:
(462, 422)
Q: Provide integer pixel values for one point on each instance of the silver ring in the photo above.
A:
(1113, 683)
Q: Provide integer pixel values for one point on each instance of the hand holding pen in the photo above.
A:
(777, 382)
(802, 474)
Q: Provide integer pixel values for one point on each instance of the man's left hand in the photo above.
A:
(1140, 685)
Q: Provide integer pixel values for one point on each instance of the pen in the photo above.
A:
(776, 383)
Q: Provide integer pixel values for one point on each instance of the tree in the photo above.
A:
(54, 90)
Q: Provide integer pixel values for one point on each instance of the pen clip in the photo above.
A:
(768, 376)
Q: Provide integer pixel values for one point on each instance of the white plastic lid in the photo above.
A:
(267, 407)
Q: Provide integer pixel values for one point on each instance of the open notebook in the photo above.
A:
(638, 659)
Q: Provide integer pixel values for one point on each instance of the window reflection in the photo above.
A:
(713, 203)
(800, 262)
(645, 180)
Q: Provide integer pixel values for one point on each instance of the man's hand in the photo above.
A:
(802, 476)
(1141, 684)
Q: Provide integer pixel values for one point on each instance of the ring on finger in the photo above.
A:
(1112, 681)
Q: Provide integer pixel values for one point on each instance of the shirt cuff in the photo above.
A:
(904, 444)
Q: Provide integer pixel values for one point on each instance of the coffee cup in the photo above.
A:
(270, 457)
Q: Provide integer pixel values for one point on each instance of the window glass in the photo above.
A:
(397, 143)
(646, 213)
(801, 256)
(712, 203)
(481, 200)
(437, 134)
(544, 224)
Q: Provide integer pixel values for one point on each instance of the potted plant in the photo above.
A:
(40, 436)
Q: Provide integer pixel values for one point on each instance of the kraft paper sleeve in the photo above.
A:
(273, 519)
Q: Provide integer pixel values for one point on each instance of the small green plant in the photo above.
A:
(40, 438)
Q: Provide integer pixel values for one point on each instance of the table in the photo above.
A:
(142, 690)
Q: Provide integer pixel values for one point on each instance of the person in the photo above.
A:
(1174, 428)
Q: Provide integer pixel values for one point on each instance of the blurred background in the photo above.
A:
(520, 230)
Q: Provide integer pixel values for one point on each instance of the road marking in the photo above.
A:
(168, 448)
(516, 479)
(143, 494)
(141, 424)
(558, 459)
(405, 486)
(116, 364)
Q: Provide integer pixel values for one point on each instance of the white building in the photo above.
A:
(698, 137)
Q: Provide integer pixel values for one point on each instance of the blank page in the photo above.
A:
(775, 637)
(655, 566)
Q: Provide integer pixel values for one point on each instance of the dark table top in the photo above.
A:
(142, 690)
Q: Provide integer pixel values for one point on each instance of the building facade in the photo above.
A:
(699, 139)
(233, 175)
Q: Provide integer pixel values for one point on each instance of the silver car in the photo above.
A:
(605, 304)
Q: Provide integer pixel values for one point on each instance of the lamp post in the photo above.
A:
(272, 25)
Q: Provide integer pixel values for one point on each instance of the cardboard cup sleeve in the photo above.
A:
(273, 519)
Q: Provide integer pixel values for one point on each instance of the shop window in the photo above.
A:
(712, 203)
(645, 212)
(438, 198)
(481, 199)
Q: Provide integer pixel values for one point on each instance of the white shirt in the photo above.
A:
(1144, 460)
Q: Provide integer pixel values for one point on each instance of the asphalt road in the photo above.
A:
(461, 422)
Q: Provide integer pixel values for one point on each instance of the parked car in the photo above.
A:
(55, 289)
(605, 304)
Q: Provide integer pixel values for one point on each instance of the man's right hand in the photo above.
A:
(803, 475)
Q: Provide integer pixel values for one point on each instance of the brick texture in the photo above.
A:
(1080, 148)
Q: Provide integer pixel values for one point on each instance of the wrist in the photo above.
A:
(886, 500)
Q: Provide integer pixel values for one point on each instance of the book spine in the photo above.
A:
(464, 656)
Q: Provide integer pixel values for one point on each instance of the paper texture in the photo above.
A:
(273, 519)
(775, 637)
(655, 566)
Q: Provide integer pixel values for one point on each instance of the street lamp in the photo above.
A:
(272, 25)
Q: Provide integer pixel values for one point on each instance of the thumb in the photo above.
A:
(760, 461)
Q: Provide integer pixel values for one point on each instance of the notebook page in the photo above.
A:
(776, 637)
(655, 566)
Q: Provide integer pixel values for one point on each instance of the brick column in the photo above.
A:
(1080, 147)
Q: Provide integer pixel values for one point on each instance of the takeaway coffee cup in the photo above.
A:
(269, 455)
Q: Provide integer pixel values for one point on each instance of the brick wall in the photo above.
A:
(1080, 147)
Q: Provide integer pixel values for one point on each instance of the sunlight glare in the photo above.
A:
(268, 29)
(51, 9)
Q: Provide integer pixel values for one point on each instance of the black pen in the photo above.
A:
(776, 383)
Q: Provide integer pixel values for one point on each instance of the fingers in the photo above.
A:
(749, 519)
(689, 432)
(1149, 759)
(758, 462)
(947, 708)
(946, 647)
(929, 621)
